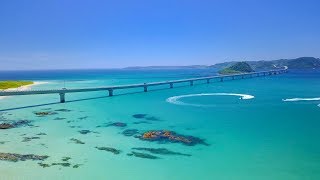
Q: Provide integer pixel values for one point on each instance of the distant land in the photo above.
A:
(297, 63)
(237, 68)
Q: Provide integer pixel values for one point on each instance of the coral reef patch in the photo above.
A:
(109, 149)
(13, 157)
(14, 124)
(44, 113)
(162, 151)
(77, 141)
(142, 155)
(130, 132)
(146, 117)
(170, 136)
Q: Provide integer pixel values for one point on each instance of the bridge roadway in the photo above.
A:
(145, 86)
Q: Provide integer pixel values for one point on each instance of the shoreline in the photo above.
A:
(23, 88)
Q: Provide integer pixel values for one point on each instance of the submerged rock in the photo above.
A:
(85, 131)
(63, 110)
(109, 149)
(170, 136)
(6, 126)
(14, 124)
(77, 141)
(27, 139)
(66, 158)
(146, 117)
(44, 113)
(162, 151)
(130, 132)
(142, 155)
(44, 165)
(64, 164)
(41, 134)
(142, 122)
(139, 116)
(76, 165)
(117, 124)
(59, 118)
(84, 117)
(20, 157)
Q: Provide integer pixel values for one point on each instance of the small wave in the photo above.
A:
(301, 99)
(176, 99)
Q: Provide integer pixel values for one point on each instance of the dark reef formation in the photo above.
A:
(162, 151)
(59, 118)
(82, 118)
(87, 131)
(142, 155)
(44, 113)
(77, 141)
(14, 124)
(63, 110)
(130, 132)
(27, 139)
(146, 117)
(116, 124)
(142, 122)
(13, 157)
(170, 136)
(109, 149)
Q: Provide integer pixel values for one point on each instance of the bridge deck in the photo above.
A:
(144, 85)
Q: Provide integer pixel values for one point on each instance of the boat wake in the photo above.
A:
(177, 99)
(302, 99)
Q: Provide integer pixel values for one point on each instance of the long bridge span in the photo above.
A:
(145, 86)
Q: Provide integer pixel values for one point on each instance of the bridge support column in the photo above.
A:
(62, 97)
(171, 85)
(110, 92)
(145, 88)
(191, 83)
(208, 81)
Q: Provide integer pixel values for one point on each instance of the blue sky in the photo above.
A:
(67, 34)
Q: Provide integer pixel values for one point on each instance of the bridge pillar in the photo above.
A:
(171, 85)
(62, 97)
(110, 92)
(208, 81)
(145, 88)
(191, 83)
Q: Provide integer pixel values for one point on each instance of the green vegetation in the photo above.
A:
(298, 63)
(237, 68)
(13, 84)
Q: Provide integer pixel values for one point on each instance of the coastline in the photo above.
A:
(23, 88)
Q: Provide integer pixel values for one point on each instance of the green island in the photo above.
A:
(13, 84)
(237, 68)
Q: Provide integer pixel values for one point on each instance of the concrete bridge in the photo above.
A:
(145, 86)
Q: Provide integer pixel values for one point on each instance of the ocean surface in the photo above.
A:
(242, 130)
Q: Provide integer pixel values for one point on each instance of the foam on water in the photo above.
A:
(176, 99)
(302, 99)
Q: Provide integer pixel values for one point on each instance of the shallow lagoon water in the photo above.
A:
(259, 138)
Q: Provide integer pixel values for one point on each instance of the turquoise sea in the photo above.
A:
(261, 138)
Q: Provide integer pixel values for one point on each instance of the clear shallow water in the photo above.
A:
(259, 138)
